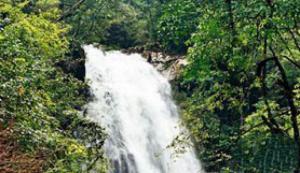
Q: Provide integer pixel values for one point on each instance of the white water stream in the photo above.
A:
(133, 102)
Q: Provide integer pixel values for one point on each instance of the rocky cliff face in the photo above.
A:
(169, 65)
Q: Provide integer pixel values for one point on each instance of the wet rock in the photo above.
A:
(169, 65)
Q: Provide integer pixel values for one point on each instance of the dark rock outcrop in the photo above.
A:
(75, 65)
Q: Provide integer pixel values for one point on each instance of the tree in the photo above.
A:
(177, 22)
(39, 104)
(244, 71)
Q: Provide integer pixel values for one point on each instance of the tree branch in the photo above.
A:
(291, 61)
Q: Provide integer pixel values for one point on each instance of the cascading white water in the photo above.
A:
(133, 102)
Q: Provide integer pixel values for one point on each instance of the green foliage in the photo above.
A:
(177, 22)
(243, 71)
(39, 98)
(110, 22)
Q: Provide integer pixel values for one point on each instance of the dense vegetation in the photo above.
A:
(243, 83)
(241, 87)
(39, 104)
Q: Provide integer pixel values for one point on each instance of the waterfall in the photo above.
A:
(133, 102)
